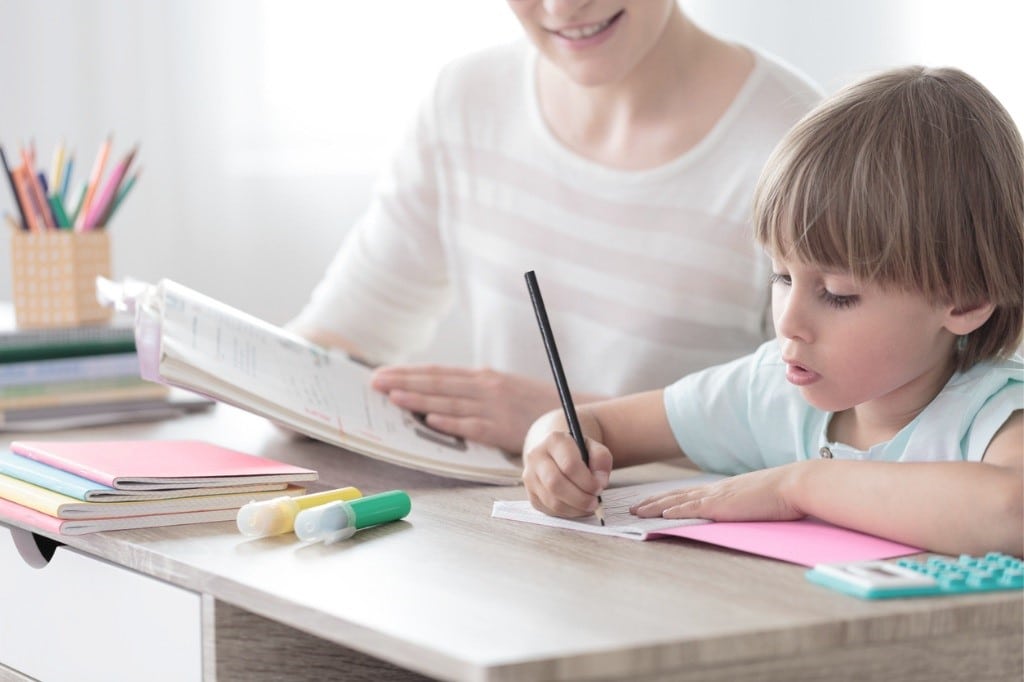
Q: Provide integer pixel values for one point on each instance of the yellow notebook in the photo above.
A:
(64, 507)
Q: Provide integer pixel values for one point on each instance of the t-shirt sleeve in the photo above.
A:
(388, 285)
(710, 416)
(991, 417)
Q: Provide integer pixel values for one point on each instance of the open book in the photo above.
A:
(615, 503)
(189, 340)
(807, 541)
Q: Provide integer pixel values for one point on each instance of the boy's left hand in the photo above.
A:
(755, 496)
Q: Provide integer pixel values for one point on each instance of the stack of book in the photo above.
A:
(79, 376)
(77, 487)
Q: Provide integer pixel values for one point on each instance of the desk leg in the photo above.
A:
(239, 645)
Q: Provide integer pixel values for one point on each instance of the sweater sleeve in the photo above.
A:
(388, 285)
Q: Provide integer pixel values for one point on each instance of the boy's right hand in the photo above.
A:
(558, 482)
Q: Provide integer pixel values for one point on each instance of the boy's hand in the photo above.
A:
(755, 496)
(558, 482)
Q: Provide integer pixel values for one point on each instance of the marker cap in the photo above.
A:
(267, 517)
(336, 521)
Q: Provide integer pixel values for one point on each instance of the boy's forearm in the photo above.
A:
(950, 507)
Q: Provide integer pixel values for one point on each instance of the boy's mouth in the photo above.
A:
(799, 375)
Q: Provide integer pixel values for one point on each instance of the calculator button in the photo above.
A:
(981, 580)
(1013, 580)
(952, 582)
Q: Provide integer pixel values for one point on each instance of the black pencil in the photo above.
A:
(560, 381)
(14, 190)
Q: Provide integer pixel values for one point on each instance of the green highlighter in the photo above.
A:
(340, 520)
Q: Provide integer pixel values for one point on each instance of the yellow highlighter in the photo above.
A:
(276, 516)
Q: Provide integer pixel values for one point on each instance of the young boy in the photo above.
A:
(894, 217)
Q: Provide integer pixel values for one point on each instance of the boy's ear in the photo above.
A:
(961, 321)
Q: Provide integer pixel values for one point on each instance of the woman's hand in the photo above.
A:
(557, 481)
(481, 405)
(755, 496)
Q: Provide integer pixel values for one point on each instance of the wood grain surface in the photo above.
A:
(451, 593)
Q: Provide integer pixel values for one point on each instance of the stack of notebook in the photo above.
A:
(77, 487)
(78, 376)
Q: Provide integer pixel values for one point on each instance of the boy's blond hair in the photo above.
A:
(912, 179)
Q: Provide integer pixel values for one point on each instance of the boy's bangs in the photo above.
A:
(798, 217)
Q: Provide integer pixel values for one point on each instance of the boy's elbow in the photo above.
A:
(1013, 507)
(1007, 506)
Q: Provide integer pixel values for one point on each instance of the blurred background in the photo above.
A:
(262, 123)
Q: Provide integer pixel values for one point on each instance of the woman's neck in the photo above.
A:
(660, 109)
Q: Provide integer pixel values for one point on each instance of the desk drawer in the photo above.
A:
(80, 618)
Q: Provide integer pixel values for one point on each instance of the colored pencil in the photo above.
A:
(94, 182)
(14, 189)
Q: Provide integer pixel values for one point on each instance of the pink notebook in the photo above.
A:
(160, 464)
(38, 521)
(807, 541)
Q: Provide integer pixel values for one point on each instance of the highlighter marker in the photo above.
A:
(276, 516)
(336, 521)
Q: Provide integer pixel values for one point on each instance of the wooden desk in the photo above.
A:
(453, 594)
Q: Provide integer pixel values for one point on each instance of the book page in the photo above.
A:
(617, 501)
(258, 358)
(208, 345)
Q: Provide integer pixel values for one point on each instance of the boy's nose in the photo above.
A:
(791, 320)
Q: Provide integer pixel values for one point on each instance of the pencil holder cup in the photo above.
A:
(54, 277)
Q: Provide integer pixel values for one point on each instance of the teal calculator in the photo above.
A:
(937, 575)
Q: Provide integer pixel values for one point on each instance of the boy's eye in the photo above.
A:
(837, 301)
(779, 278)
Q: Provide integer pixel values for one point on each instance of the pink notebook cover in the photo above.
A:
(30, 518)
(808, 541)
(37, 521)
(133, 464)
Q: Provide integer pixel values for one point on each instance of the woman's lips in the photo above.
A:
(587, 34)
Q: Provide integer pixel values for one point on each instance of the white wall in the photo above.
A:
(262, 123)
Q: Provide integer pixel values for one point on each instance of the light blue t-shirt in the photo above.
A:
(744, 416)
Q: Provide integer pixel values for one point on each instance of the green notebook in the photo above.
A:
(41, 344)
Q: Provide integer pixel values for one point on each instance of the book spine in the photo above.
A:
(45, 351)
(29, 495)
(137, 390)
(51, 371)
(27, 450)
(43, 481)
(67, 388)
